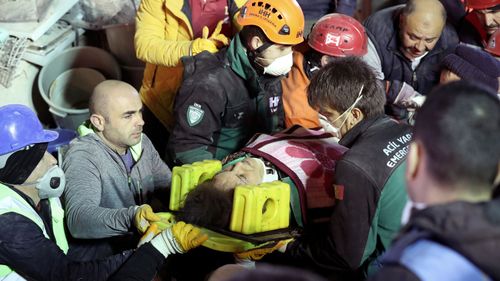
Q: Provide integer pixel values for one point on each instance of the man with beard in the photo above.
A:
(113, 175)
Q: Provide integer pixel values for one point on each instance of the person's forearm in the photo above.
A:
(142, 265)
(94, 222)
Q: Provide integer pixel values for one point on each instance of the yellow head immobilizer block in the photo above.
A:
(187, 177)
(260, 208)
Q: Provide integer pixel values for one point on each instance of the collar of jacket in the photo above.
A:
(240, 64)
(394, 43)
(86, 128)
(22, 194)
(350, 137)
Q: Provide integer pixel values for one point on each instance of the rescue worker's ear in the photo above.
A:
(325, 59)
(97, 121)
(357, 115)
(414, 160)
(255, 43)
(401, 21)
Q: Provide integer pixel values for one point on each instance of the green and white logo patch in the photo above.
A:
(194, 114)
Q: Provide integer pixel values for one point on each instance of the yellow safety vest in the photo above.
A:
(12, 202)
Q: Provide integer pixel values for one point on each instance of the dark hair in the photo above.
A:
(277, 273)
(207, 206)
(314, 57)
(459, 127)
(249, 31)
(336, 86)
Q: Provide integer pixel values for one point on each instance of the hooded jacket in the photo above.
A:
(101, 198)
(470, 229)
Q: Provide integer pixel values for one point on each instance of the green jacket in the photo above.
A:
(222, 102)
(370, 183)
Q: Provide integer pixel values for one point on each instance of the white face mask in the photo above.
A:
(329, 127)
(280, 66)
(51, 185)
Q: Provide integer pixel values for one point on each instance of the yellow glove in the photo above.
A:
(188, 236)
(258, 253)
(150, 233)
(178, 239)
(166, 221)
(144, 216)
(212, 43)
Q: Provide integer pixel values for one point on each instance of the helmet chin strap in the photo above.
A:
(263, 47)
(253, 55)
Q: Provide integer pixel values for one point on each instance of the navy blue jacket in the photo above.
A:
(25, 249)
(383, 30)
(470, 229)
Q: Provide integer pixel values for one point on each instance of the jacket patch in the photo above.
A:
(339, 191)
(274, 103)
(194, 114)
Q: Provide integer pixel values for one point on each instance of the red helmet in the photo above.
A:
(338, 35)
(482, 4)
(492, 46)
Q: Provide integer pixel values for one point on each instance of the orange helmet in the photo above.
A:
(492, 46)
(482, 4)
(281, 20)
(338, 35)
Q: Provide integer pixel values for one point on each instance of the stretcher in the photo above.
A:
(260, 214)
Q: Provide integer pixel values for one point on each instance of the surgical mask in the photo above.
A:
(280, 66)
(329, 127)
(51, 185)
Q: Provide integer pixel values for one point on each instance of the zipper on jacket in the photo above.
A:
(137, 188)
(414, 79)
(153, 80)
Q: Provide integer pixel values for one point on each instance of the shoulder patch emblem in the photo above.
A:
(194, 114)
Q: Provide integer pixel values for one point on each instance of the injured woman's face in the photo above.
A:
(248, 171)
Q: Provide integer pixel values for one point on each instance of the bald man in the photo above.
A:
(406, 45)
(114, 175)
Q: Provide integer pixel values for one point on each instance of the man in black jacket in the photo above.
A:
(452, 166)
(368, 179)
(406, 44)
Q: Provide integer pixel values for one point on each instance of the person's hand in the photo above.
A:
(179, 238)
(212, 44)
(188, 236)
(166, 220)
(258, 253)
(143, 217)
(150, 233)
(409, 98)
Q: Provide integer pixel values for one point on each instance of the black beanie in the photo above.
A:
(473, 64)
(21, 164)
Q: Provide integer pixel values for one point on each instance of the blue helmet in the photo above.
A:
(19, 127)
